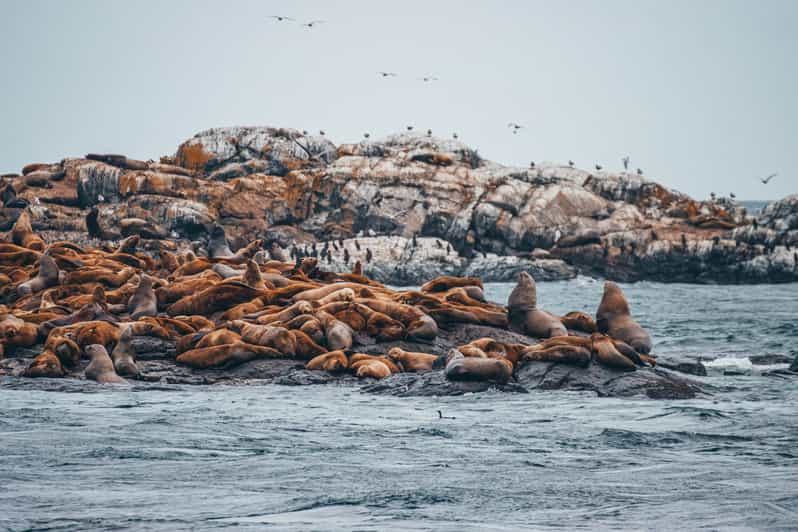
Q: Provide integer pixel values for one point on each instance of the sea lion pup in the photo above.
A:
(371, 369)
(461, 368)
(217, 243)
(46, 277)
(564, 353)
(524, 314)
(287, 314)
(442, 284)
(22, 233)
(228, 355)
(333, 361)
(605, 353)
(489, 346)
(124, 356)
(579, 321)
(46, 365)
(279, 338)
(337, 333)
(613, 318)
(101, 367)
(143, 301)
(412, 362)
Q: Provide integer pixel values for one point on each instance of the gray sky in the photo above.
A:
(701, 94)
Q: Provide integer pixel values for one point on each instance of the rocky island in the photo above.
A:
(263, 255)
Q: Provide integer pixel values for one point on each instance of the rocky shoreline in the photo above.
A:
(410, 207)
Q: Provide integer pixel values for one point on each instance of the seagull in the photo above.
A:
(598, 167)
(279, 18)
(639, 171)
(515, 127)
(387, 74)
(625, 161)
(767, 179)
(570, 163)
(312, 23)
(454, 135)
(427, 78)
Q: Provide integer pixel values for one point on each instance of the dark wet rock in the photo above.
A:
(794, 365)
(770, 359)
(433, 383)
(682, 364)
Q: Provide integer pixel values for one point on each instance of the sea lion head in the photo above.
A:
(613, 302)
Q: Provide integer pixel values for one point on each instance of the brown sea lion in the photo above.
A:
(524, 314)
(47, 276)
(143, 301)
(22, 233)
(217, 243)
(278, 338)
(306, 348)
(357, 358)
(605, 353)
(46, 365)
(380, 326)
(337, 333)
(372, 369)
(67, 351)
(613, 318)
(461, 368)
(216, 298)
(17, 332)
(442, 284)
(215, 338)
(563, 353)
(95, 332)
(297, 309)
(412, 362)
(124, 356)
(420, 326)
(333, 361)
(579, 321)
(228, 355)
(101, 367)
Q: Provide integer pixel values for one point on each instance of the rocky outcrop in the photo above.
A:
(287, 186)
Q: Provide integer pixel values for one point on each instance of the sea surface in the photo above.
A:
(79, 456)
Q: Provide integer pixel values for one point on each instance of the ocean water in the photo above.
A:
(79, 456)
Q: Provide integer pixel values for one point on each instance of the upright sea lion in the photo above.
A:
(124, 356)
(47, 276)
(333, 361)
(337, 333)
(461, 368)
(101, 367)
(524, 314)
(143, 302)
(217, 243)
(613, 318)
(22, 233)
(412, 362)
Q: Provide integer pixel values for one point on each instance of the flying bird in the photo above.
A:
(515, 127)
(312, 23)
(387, 74)
(767, 179)
(427, 78)
(280, 18)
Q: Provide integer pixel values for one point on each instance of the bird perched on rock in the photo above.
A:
(304, 132)
(346, 256)
(766, 180)
(415, 242)
(712, 196)
(368, 255)
(732, 195)
(532, 164)
(329, 257)
(515, 127)
(429, 132)
(639, 171)
(684, 241)
(280, 18)
(357, 245)
(598, 167)
(448, 248)
(387, 74)
(625, 162)
(366, 135)
(438, 244)
(410, 128)
(321, 132)
(341, 242)
(334, 246)
(454, 135)
(570, 163)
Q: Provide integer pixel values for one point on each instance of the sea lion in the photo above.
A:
(47, 276)
(217, 243)
(372, 369)
(379, 325)
(46, 365)
(278, 338)
(95, 332)
(420, 325)
(67, 351)
(412, 362)
(124, 356)
(216, 298)
(333, 361)
(613, 318)
(228, 355)
(605, 353)
(143, 301)
(563, 353)
(17, 332)
(524, 314)
(306, 348)
(442, 284)
(101, 367)
(337, 333)
(461, 368)
(22, 233)
(579, 321)
(356, 359)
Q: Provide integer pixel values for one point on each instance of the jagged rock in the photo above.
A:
(682, 365)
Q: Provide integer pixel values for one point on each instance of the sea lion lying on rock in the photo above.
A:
(333, 361)
(47, 276)
(613, 318)
(524, 314)
(229, 355)
(412, 362)
(461, 368)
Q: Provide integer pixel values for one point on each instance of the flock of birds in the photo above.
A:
(513, 126)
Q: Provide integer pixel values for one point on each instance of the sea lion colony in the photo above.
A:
(229, 308)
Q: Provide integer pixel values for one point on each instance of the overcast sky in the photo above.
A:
(701, 94)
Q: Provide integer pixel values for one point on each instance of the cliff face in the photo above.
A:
(297, 189)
